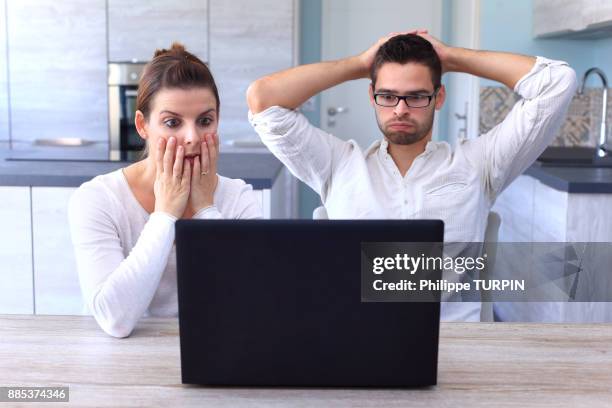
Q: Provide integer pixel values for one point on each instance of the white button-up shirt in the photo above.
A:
(458, 187)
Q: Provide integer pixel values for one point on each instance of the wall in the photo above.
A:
(507, 26)
(603, 56)
(4, 106)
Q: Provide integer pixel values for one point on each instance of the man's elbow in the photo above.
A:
(256, 95)
(569, 79)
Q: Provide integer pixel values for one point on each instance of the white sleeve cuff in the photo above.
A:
(208, 213)
(540, 76)
(164, 216)
(275, 120)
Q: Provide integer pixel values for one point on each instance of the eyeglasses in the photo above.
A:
(412, 101)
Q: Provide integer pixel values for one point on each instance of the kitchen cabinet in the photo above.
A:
(38, 271)
(261, 43)
(531, 211)
(515, 208)
(16, 283)
(4, 113)
(57, 289)
(136, 28)
(57, 70)
(572, 18)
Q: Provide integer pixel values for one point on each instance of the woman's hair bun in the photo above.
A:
(176, 49)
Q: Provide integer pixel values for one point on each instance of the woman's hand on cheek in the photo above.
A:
(204, 177)
(172, 178)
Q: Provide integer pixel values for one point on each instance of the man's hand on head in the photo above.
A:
(366, 58)
(441, 49)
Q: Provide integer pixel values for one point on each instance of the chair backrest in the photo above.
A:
(320, 213)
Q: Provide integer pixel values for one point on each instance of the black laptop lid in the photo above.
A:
(278, 302)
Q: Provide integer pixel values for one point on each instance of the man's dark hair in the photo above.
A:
(406, 48)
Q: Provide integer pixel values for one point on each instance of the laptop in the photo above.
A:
(278, 303)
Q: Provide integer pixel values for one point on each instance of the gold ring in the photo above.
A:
(203, 173)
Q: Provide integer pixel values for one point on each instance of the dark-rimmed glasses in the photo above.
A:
(412, 101)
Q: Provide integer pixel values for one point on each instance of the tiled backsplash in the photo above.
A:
(580, 128)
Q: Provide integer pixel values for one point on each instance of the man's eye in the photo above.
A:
(388, 98)
(171, 123)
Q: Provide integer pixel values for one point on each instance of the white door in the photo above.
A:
(350, 27)
(463, 90)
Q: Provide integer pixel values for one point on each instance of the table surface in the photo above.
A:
(480, 364)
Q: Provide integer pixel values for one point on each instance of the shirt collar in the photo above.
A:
(430, 147)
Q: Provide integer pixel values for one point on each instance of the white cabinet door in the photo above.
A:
(136, 28)
(16, 283)
(549, 214)
(556, 16)
(248, 39)
(4, 128)
(515, 207)
(576, 17)
(57, 288)
(57, 65)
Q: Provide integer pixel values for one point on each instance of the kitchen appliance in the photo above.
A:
(125, 143)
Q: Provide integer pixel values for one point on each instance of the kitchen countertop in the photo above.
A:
(480, 365)
(257, 167)
(574, 179)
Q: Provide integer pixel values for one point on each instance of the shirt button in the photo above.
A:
(405, 201)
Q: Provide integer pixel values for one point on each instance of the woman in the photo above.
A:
(122, 223)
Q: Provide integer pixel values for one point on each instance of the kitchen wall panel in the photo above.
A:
(4, 113)
(248, 39)
(57, 69)
(136, 28)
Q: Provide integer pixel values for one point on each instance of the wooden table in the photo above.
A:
(480, 364)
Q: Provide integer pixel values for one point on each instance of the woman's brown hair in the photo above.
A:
(172, 68)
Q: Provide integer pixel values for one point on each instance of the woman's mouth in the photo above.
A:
(191, 160)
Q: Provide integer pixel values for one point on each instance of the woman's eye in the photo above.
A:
(205, 121)
(171, 123)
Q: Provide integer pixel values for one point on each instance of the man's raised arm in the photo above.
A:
(502, 67)
(292, 87)
(546, 87)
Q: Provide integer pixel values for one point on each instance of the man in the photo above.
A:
(406, 174)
